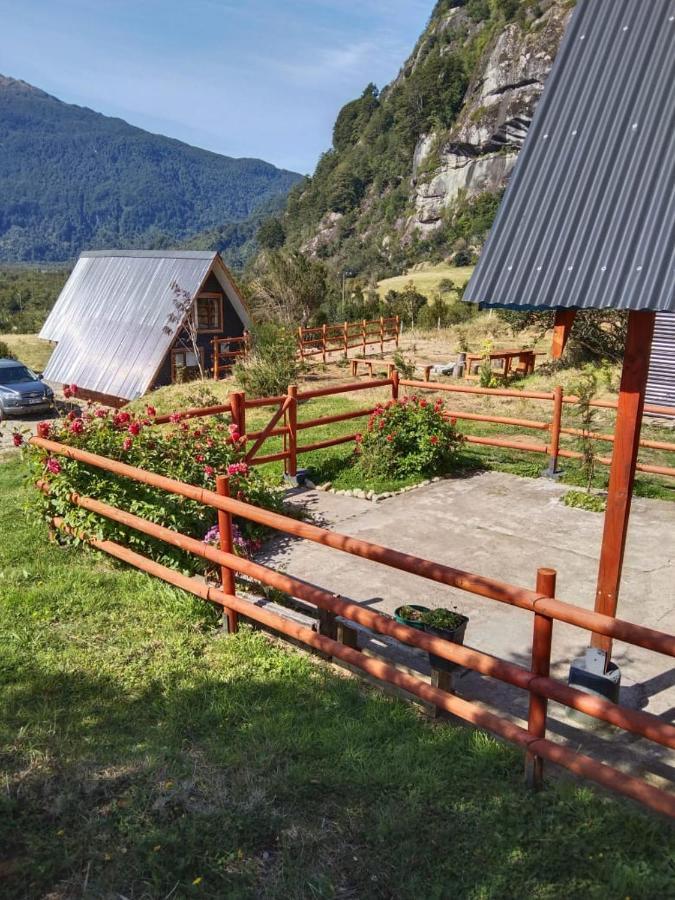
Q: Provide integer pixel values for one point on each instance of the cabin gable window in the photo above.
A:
(209, 313)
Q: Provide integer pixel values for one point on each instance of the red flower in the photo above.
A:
(233, 429)
(358, 438)
(175, 417)
(240, 468)
(77, 426)
(74, 389)
(433, 439)
(135, 428)
(44, 429)
(53, 465)
(151, 411)
(17, 439)
(390, 438)
(101, 413)
(127, 443)
(423, 403)
(209, 471)
(199, 457)
(121, 419)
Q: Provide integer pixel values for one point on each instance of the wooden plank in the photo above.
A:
(564, 319)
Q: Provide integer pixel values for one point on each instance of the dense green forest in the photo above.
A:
(26, 295)
(71, 178)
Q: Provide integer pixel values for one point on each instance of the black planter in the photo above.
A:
(455, 635)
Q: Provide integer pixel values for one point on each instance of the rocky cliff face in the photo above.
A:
(416, 169)
(478, 153)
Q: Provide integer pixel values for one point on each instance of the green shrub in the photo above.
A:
(584, 500)
(193, 451)
(5, 352)
(408, 437)
(404, 366)
(272, 364)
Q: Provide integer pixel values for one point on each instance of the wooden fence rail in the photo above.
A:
(546, 610)
(322, 340)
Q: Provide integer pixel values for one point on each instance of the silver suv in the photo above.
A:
(22, 391)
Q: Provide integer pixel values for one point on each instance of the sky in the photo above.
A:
(254, 78)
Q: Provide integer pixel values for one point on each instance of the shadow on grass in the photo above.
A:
(257, 772)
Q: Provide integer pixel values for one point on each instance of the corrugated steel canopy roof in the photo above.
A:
(111, 320)
(588, 219)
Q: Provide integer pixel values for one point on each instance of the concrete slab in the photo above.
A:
(506, 527)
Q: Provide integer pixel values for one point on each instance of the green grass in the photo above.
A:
(143, 755)
(426, 279)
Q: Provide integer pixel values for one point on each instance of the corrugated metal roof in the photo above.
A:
(588, 219)
(109, 320)
(661, 382)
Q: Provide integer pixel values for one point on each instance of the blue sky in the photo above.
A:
(252, 78)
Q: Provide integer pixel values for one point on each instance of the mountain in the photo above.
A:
(72, 178)
(417, 169)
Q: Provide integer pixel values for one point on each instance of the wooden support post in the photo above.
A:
(381, 334)
(556, 423)
(216, 359)
(541, 665)
(323, 341)
(291, 463)
(564, 319)
(238, 403)
(364, 329)
(301, 345)
(345, 333)
(231, 618)
(394, 384)
(622, 472)
(348, 636)
(398, 329)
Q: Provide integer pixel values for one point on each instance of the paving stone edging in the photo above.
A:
(361, 494)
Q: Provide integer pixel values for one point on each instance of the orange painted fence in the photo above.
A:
(323, 340)
(291, 428)
(541, 602)
(227, 351)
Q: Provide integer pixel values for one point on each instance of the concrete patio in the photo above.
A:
(506, 527)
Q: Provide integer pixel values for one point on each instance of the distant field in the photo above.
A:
(29, 349)
(427, 279)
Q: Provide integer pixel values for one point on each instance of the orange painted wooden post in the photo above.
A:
(381, 334)
(394, 384)
(541, 665)
(216, 359)
(564, 319)
(238, 402)
(301, 344)
(323, 340)
(227, 545)
(398, 329)
(291, 463)
(622, 472)
(346, 338)
(556, 422)
(364, 330)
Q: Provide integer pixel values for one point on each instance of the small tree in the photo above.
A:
(585, 389)
(184, 315)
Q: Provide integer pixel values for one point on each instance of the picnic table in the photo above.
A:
(526, 360)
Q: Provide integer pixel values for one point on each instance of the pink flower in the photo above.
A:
(77, 426)
(209, 471)
(127, 443)
(135, 428)
(358, 438)
(53, 465)
(390, 438)
(17, 439)
(233, 429)
(239, 468)
(199, 457)
(101, 413)
(121, 419)
(175, 417)
(74, 389)
(151, 411)
(44, 429)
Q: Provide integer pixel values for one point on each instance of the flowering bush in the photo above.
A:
(193, 451)
(407, 437)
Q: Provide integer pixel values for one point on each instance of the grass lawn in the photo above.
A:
(29, 349)
(426, 279)
(146, 756)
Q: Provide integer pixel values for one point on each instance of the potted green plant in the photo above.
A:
(411, 615)
(447, 624)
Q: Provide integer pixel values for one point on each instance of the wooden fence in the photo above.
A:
(227, 351)
(552, 428)
(323, 340)
(338, 640)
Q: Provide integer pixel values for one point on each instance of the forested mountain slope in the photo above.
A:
(416, 170)
(72, 178)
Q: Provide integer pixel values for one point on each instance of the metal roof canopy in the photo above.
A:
(588, 218)
(111, 320)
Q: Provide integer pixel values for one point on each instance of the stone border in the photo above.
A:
(361, 494)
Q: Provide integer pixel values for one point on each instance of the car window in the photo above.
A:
(16, 374)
